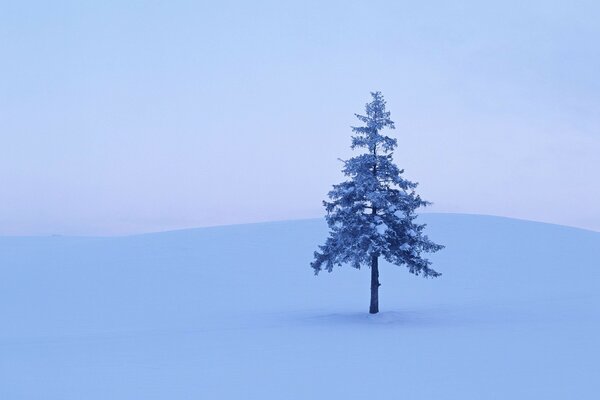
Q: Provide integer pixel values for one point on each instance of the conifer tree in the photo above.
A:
(372, 214)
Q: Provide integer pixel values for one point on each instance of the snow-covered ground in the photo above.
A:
(236, 313)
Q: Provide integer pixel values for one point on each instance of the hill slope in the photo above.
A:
(235, 312)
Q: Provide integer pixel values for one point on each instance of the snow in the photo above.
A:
(236, 313)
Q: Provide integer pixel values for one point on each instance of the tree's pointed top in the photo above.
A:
(378, 102)
(375, 119)
(377, 96)
(376, 115)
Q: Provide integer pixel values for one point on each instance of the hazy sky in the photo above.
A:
(121, 117)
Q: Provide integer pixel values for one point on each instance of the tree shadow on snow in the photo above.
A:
(427, 317)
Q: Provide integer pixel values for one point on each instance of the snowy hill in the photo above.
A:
(235, 313)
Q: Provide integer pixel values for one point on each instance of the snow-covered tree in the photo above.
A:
(372, 214)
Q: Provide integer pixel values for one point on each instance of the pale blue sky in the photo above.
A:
(123, 117)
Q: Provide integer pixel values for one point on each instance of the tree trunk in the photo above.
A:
(374, 308)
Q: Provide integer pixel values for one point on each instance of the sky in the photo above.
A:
(128, 117)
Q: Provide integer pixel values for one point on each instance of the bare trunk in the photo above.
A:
(374, 308)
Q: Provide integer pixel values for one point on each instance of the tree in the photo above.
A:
(372, 214)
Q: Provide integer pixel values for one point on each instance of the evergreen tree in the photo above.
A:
(372, 214)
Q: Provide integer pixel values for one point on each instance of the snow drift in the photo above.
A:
(235, 312)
